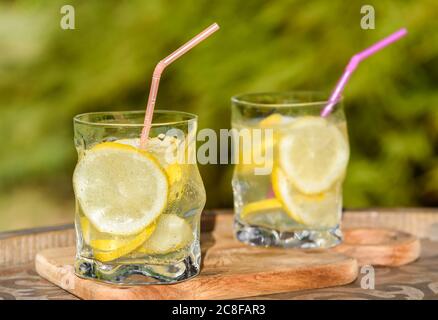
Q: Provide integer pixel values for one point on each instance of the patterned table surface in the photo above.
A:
(418, 280)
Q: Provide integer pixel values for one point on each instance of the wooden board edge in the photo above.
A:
(67, 277)
(385, 256)
(346, 272)
(257, 284)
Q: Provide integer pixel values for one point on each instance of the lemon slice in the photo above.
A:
(272, 120)
(318, 210)
(259, 148)
(175, 173)
(121, 189)
(260, 206)
(267, 213)
(314, 154)
(255, 148)
(172, 233)
(158, 147)
(276, 120)
(85, 229)
(111, 249)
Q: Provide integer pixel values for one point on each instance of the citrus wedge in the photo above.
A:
(111, 249)
(172, 233)
(314, 154)
(121, 189)
(317, 210)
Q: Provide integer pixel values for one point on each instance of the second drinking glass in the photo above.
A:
(291, 163)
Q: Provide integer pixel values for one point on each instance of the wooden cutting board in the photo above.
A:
(379, 246)
(230, 270)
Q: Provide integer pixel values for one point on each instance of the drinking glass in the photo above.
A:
(137, 210)
(290, 166)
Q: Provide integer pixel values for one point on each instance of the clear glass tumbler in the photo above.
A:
(137, 210)
(290, 166)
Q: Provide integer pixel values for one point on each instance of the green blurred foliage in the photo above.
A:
(47, 75)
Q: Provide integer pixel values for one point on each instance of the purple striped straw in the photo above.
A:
(352, 65)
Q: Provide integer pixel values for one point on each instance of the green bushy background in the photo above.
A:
(47, 75)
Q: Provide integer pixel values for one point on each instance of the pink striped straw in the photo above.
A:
(354, 62)
(156, 76)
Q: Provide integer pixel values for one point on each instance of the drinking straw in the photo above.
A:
(354, 62)
(157, 75)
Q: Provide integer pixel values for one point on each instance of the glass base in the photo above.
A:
(305, 239)
(137, 274)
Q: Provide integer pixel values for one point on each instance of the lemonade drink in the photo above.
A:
(137, 210)
(299, 202)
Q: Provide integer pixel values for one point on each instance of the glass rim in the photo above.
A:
(244, 99)
(190, 117)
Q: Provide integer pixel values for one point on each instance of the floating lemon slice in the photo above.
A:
(318, 210)
(121, 189)
(175, 173)
(268, 213)
(158, 147)
(272, 120)
(111, 249)
(172, 233)
(261, 148)
(314, 154)
(250, 149)
(276, 120)
(85, 229)
(260, 206)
